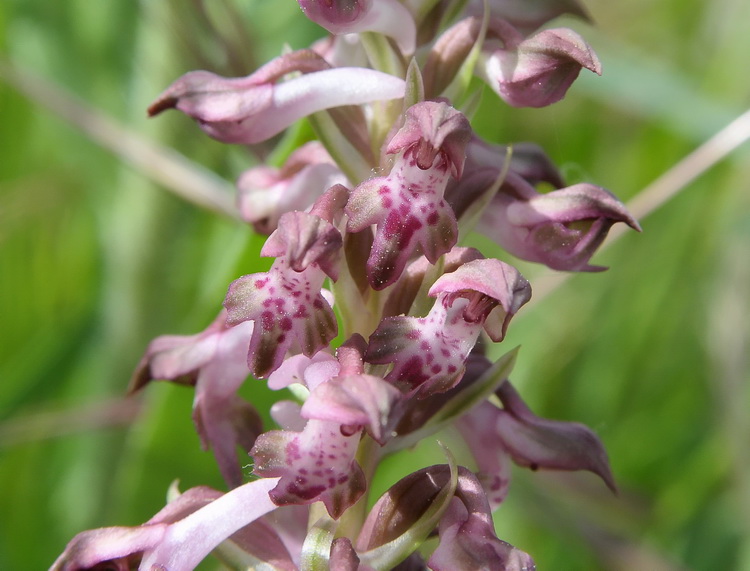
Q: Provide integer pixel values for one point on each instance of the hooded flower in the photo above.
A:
(407, 205)
(316, 460)
(215, 362)
(561, 229)
(352, 398)
(254, 108)
(428, 353)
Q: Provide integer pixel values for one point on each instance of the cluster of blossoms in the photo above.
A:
(372, 313)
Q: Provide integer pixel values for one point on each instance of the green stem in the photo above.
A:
(368, 457)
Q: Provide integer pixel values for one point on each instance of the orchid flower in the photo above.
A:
(535, 71)
(255, 108)
(428, 353)
(286, 304)
(407, 205)
(215, 362)
(561, 229)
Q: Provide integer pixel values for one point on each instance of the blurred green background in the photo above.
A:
(96, 259)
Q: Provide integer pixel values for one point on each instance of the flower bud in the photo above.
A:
(537, 71)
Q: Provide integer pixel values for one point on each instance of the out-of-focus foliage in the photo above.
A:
(95, 260)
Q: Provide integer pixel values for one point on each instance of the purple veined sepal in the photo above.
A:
(387, 17)
(215, 362)
(428, 353)
(407, 205)
(255, 108)
(536, 442)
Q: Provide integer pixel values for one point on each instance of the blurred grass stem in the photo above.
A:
(170, 169)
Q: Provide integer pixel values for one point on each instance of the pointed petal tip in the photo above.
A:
(160, 105)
